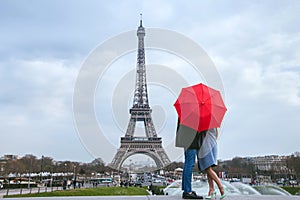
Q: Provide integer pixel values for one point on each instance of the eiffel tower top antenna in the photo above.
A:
(140, 99)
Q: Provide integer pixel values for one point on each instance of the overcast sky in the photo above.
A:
(255, 46)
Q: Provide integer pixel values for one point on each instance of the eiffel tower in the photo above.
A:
(151, 145)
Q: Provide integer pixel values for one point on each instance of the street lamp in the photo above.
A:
(130, 170)
(42, 168)
(74, 176)
(64, 178)
(29, 176)
(51, 180)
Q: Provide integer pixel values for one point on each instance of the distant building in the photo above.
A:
(2, 165)
(10, 157)
(4, 159)
(270, 163)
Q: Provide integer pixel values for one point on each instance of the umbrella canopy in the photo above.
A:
(200, 107)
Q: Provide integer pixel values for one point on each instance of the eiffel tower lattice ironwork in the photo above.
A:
(151, 145)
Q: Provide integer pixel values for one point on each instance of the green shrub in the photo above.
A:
(157, 190)
(292, 190)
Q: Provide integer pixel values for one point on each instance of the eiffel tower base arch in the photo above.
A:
(151, 147)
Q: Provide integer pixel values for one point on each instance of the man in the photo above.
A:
(189, 163)
(189, 139)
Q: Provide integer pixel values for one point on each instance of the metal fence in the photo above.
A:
(8, 191)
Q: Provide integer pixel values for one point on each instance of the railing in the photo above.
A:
(142, 139)
(20, 191)
(10, 191)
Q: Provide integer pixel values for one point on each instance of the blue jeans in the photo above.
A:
(189, 163)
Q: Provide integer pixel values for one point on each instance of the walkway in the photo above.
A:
(233, 197)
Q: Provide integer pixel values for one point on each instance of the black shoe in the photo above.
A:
(193, 195)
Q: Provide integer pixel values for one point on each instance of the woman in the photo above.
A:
(207, 159)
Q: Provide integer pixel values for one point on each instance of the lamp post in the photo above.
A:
(29, 175)
(65, 173)
(130, 170)
(42, 169)
(74, 176)
(64, 178)
(51, 180)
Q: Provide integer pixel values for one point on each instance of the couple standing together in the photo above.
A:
(200, 111)
(202, 145)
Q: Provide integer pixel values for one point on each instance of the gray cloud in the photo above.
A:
(255, 46)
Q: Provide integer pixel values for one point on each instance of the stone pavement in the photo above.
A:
(233, 197)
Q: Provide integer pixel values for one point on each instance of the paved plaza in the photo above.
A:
(233, 197)
(149, 197)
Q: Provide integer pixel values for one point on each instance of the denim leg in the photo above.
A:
(189, 163)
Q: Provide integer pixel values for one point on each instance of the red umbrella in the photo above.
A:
(200, 107)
